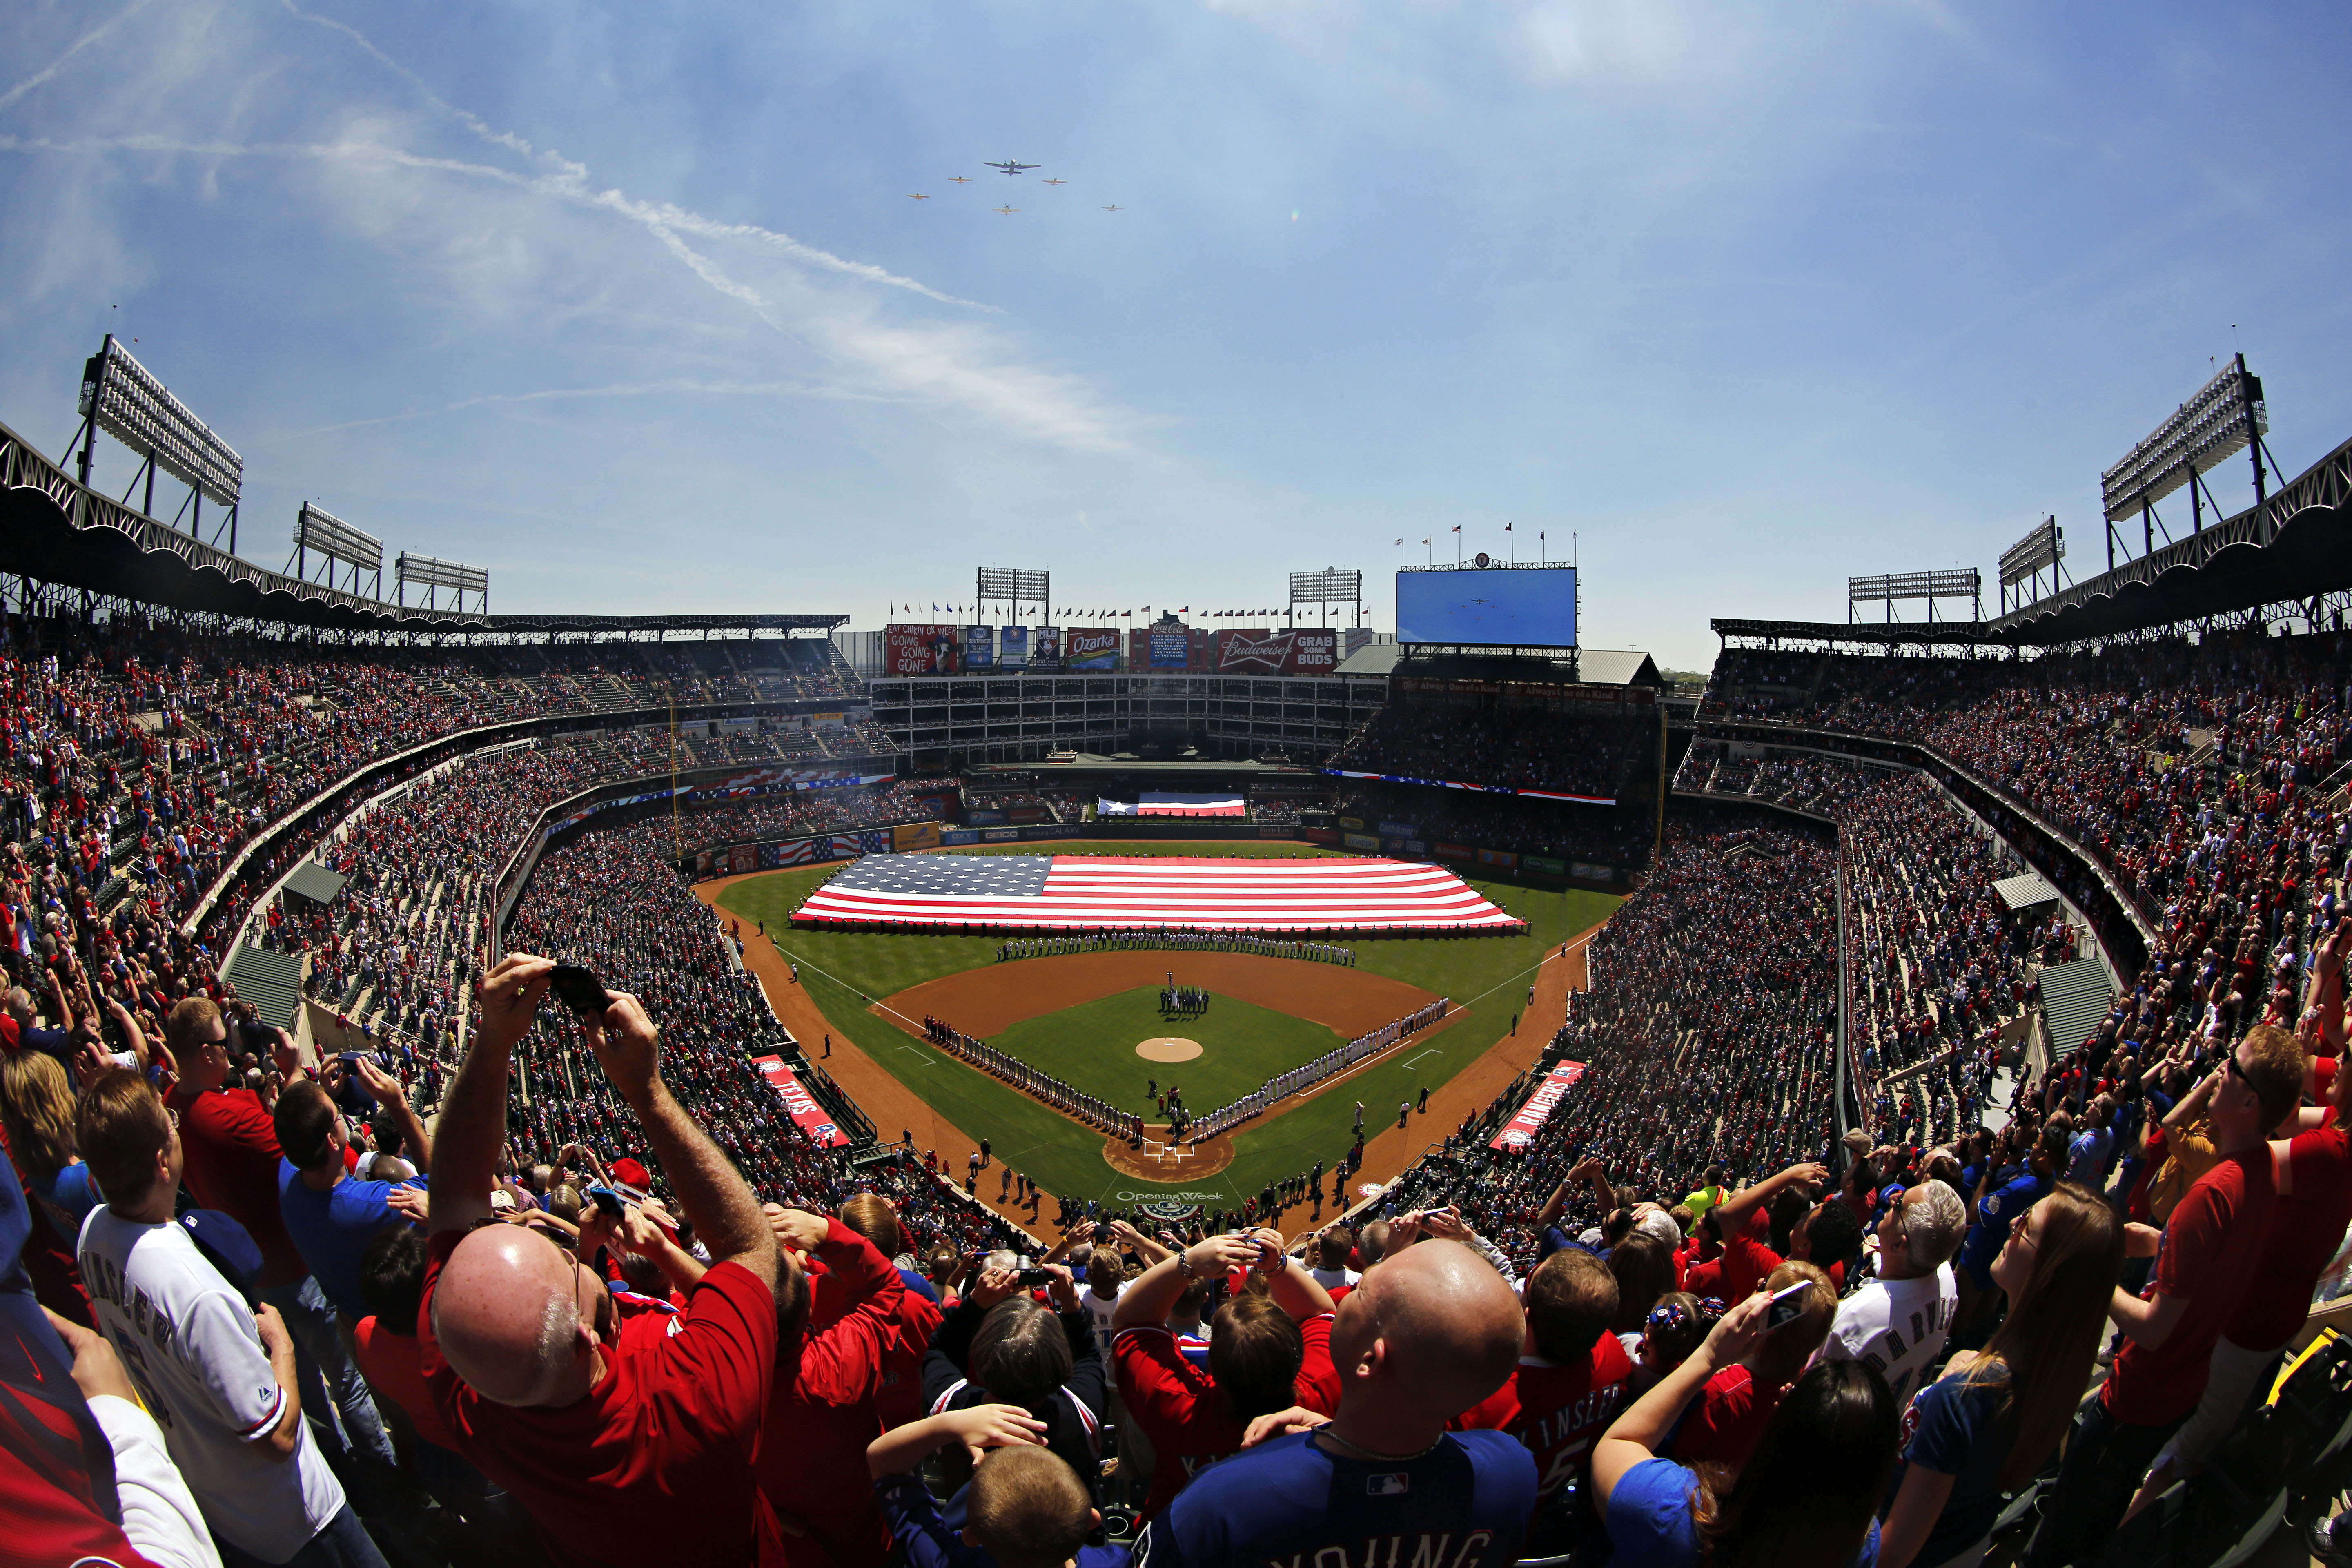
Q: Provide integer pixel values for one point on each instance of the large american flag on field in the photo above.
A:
(1102, 892)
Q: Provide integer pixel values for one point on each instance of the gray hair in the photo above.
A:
(1932, 1226)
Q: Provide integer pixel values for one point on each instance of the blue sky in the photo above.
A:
(629, 303)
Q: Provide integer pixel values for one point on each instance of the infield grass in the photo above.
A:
(1486, 977)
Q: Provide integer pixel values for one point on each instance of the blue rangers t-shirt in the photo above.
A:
(1464, 1504)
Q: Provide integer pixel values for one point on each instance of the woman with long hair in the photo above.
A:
(1806, 1497)
(37, 1110)
(1995, 1417)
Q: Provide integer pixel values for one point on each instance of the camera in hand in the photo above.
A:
(578, 988)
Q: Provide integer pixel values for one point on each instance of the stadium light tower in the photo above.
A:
(2226, 416)
(1013, 586)
(1967, 584)
(122, 397)
(431, 575)
(2024, 561)
(1325, 588)
(319, 532)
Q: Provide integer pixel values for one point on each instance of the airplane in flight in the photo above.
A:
(1008, 212)
(1057, 182)
(917, 196)
(1012, 168)
(1114, 209)
(957, 180)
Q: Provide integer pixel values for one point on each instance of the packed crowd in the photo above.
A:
(1619, 835)
(1502, 747)
(1936, 966)
(1804, 781)
(788, 814)
(2184, 769)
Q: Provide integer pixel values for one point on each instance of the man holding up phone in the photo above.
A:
(626, 1448)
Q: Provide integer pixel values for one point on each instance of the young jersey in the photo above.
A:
(1897, 1326)
(192, 1347)
(1304, 1499)
(1558, 1412)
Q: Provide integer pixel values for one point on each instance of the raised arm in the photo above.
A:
(388, 1093)
(1732, 1213)
(1146, 1303)
(717, 1201)
(1294, 1290)
(472, 1119)
(1635, 1435)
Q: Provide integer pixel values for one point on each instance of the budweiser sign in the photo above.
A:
(1254, 651)
(1292, 652)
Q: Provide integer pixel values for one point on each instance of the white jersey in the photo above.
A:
(1897, 1326)
(1332, 1278)
(192, 1348)
(1098, 1312)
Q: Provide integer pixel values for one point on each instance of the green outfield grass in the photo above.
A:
(1091, 1047)
(1486, 977)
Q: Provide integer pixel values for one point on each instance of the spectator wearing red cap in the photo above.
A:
(626, 1448)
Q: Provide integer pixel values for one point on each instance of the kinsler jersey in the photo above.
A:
(1295, 1501)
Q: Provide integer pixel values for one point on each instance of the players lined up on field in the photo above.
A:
(1299, 1080)
(1032, 1081)
(1174, 942)
(1190, 1000)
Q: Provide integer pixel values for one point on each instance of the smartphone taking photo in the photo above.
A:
(578, 988)
(1787, 1305)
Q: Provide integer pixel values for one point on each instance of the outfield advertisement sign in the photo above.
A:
(1086, 647)
(921, 649)
(1475, 789)
(980, 647)
(800, 1104)
(915, 836)
(1046, 648)
(1311, 652)
(1012, 648)
(1172, 647)
(1363, 841)
(1520, 1130)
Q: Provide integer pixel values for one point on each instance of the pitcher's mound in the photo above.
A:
(1169, 1048)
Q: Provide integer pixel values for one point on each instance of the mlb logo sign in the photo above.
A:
(1394, 1484)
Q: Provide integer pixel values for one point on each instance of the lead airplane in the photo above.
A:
(1012, 168)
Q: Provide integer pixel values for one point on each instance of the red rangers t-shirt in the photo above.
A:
(1557, 1411)
(2306, 1226)
(1176, 1401)
(653, 1464)
(232, 1165)
(1730, 1416)
(2211, 1246)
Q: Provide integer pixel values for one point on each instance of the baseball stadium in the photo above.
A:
(789, 1042)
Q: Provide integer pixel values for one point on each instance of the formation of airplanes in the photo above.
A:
(1009, 167)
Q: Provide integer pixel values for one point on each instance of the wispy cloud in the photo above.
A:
(873, 357)
(49, 72)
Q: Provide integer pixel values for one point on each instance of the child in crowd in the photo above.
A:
(1024, 1506)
